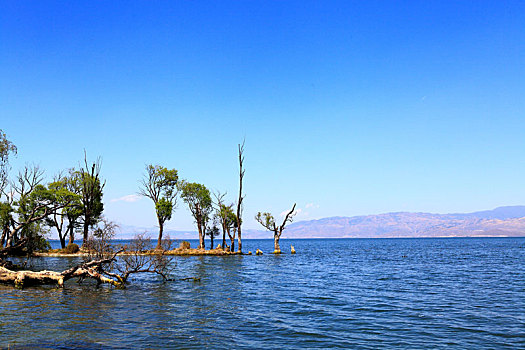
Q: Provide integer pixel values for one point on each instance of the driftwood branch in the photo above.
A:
(93, 269)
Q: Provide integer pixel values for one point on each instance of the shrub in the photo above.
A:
(185, 245)
(71, 248)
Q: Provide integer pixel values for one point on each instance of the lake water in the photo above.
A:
(338, 293)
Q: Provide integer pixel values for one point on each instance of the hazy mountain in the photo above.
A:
(500, 222)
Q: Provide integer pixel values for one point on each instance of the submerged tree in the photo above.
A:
(160, 185)
(241, 197)
(199, 201)
(268, 221)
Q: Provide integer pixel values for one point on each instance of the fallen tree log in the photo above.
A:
(92, 269)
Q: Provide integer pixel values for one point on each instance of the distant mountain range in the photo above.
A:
(500, 222)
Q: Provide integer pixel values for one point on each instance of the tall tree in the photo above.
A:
(199, 201)
(160, 185)
(241, 197)
(268, 221)
(90, 187)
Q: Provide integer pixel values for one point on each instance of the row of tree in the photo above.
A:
(72, 203)
(164, 187)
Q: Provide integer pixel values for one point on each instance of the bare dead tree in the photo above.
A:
(136, 259)
(241, 197)
(268, 221)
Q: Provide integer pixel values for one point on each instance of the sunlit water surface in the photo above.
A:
(340, 293)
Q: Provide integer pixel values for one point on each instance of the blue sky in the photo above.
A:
(347, 108)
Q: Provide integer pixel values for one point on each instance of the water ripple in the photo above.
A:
(362, 294)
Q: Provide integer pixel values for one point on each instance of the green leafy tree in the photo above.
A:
(90, 187)
(199, 201)
(66, 219)
(6, 220)
(228, 222)
(268, 221)
(32, 202)
(160, 185)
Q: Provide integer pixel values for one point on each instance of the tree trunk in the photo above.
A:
(71, 230)
(61, 237)
(240, 199)
(201, 237)
(86, 232)
(239, 241)
(161, 230)
(223, 238)
(22, 279)
(211, 238)
(2, 240)
(11, 237)
(62, 240)
(277, 248)
(232, 247)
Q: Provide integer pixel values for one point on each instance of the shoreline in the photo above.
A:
(173, 252)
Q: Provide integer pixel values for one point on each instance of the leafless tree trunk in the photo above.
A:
(241, 197)
(232, 239)
(279, 231)
(276, 247)
(223, 237)
(201, 234)
(161, 231)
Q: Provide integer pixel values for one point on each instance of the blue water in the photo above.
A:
(340, 293)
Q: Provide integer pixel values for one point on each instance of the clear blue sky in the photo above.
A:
(348, 108)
